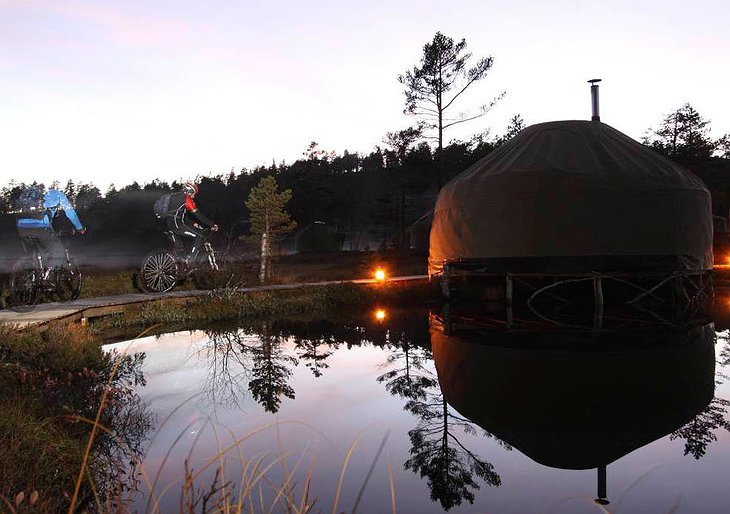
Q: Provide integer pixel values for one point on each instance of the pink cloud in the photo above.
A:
(122, 26)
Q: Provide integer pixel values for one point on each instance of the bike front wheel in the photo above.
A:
(159, 272)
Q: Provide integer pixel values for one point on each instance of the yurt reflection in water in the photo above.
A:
(576, 401)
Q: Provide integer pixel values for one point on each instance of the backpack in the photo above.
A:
(162, 206)
(30, 202)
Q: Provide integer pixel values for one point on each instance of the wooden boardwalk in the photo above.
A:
(103, 305)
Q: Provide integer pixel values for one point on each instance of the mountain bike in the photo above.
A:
(31, 278)
(164, 268)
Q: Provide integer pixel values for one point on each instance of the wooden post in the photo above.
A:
(508, 289)
(508, 285)
(598, 297)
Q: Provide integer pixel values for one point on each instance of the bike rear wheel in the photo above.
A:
(159, 272)
(24, 284)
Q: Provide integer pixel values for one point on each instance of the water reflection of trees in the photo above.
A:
(270, 371)
(440, 456)
(118, 450)
(254, 360)
(699, 433)
(241, 361)
(226, 382)
(723, 342)
(408, 376)
(314, 352)
(437, 453)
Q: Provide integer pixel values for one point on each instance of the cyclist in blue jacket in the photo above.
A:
(39, 225)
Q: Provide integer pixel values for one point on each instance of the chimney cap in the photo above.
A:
(593, 81)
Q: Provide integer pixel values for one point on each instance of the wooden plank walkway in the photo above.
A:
(103, 305)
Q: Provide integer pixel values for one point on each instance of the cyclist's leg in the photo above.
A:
(55, 248)
(35, 239)
(176, 233)
(198, 243)
(186, 231)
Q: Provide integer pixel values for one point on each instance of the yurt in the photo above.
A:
(318, 237)
(572, 196)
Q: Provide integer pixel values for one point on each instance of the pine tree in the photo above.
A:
(515, 126)
(683, 134)
(400, 142)
(442, 77)
(70, 191)
(269, 220)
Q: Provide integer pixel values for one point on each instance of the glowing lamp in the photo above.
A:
(380, 314)
(380, 274)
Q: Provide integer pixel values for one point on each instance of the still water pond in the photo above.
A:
(431, 418)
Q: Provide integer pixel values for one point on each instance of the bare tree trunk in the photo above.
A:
(264, 251)
(439, 160)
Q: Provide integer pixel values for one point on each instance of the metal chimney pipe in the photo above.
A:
(594, 99)
(602, 489)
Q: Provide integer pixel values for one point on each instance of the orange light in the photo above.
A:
(380, 314)
(380, 274)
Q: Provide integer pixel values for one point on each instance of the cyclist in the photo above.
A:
(185, 220)
(37, 222)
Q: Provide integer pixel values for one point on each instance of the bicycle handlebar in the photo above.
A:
(62, 233)
(207, 229)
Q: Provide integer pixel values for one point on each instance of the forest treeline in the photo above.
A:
(369, 200)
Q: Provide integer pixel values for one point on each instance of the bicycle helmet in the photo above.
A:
(190, 188)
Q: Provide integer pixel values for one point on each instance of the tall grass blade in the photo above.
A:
(370, 471)
(342, 472)
(87, 451)
(392, 484)
(153, 486)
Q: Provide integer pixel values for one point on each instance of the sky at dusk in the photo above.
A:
(136, 90)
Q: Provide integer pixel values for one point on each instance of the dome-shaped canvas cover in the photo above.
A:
(573, 196)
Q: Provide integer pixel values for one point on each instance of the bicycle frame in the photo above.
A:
(32, 277)
(177, 244)
(32, 247)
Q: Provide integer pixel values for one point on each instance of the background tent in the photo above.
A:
(319, 237)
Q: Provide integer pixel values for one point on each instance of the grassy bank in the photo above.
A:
(54, 379)
(53, 382)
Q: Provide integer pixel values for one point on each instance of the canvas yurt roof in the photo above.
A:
(575, 194)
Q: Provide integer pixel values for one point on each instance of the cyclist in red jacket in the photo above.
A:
(186, 220)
